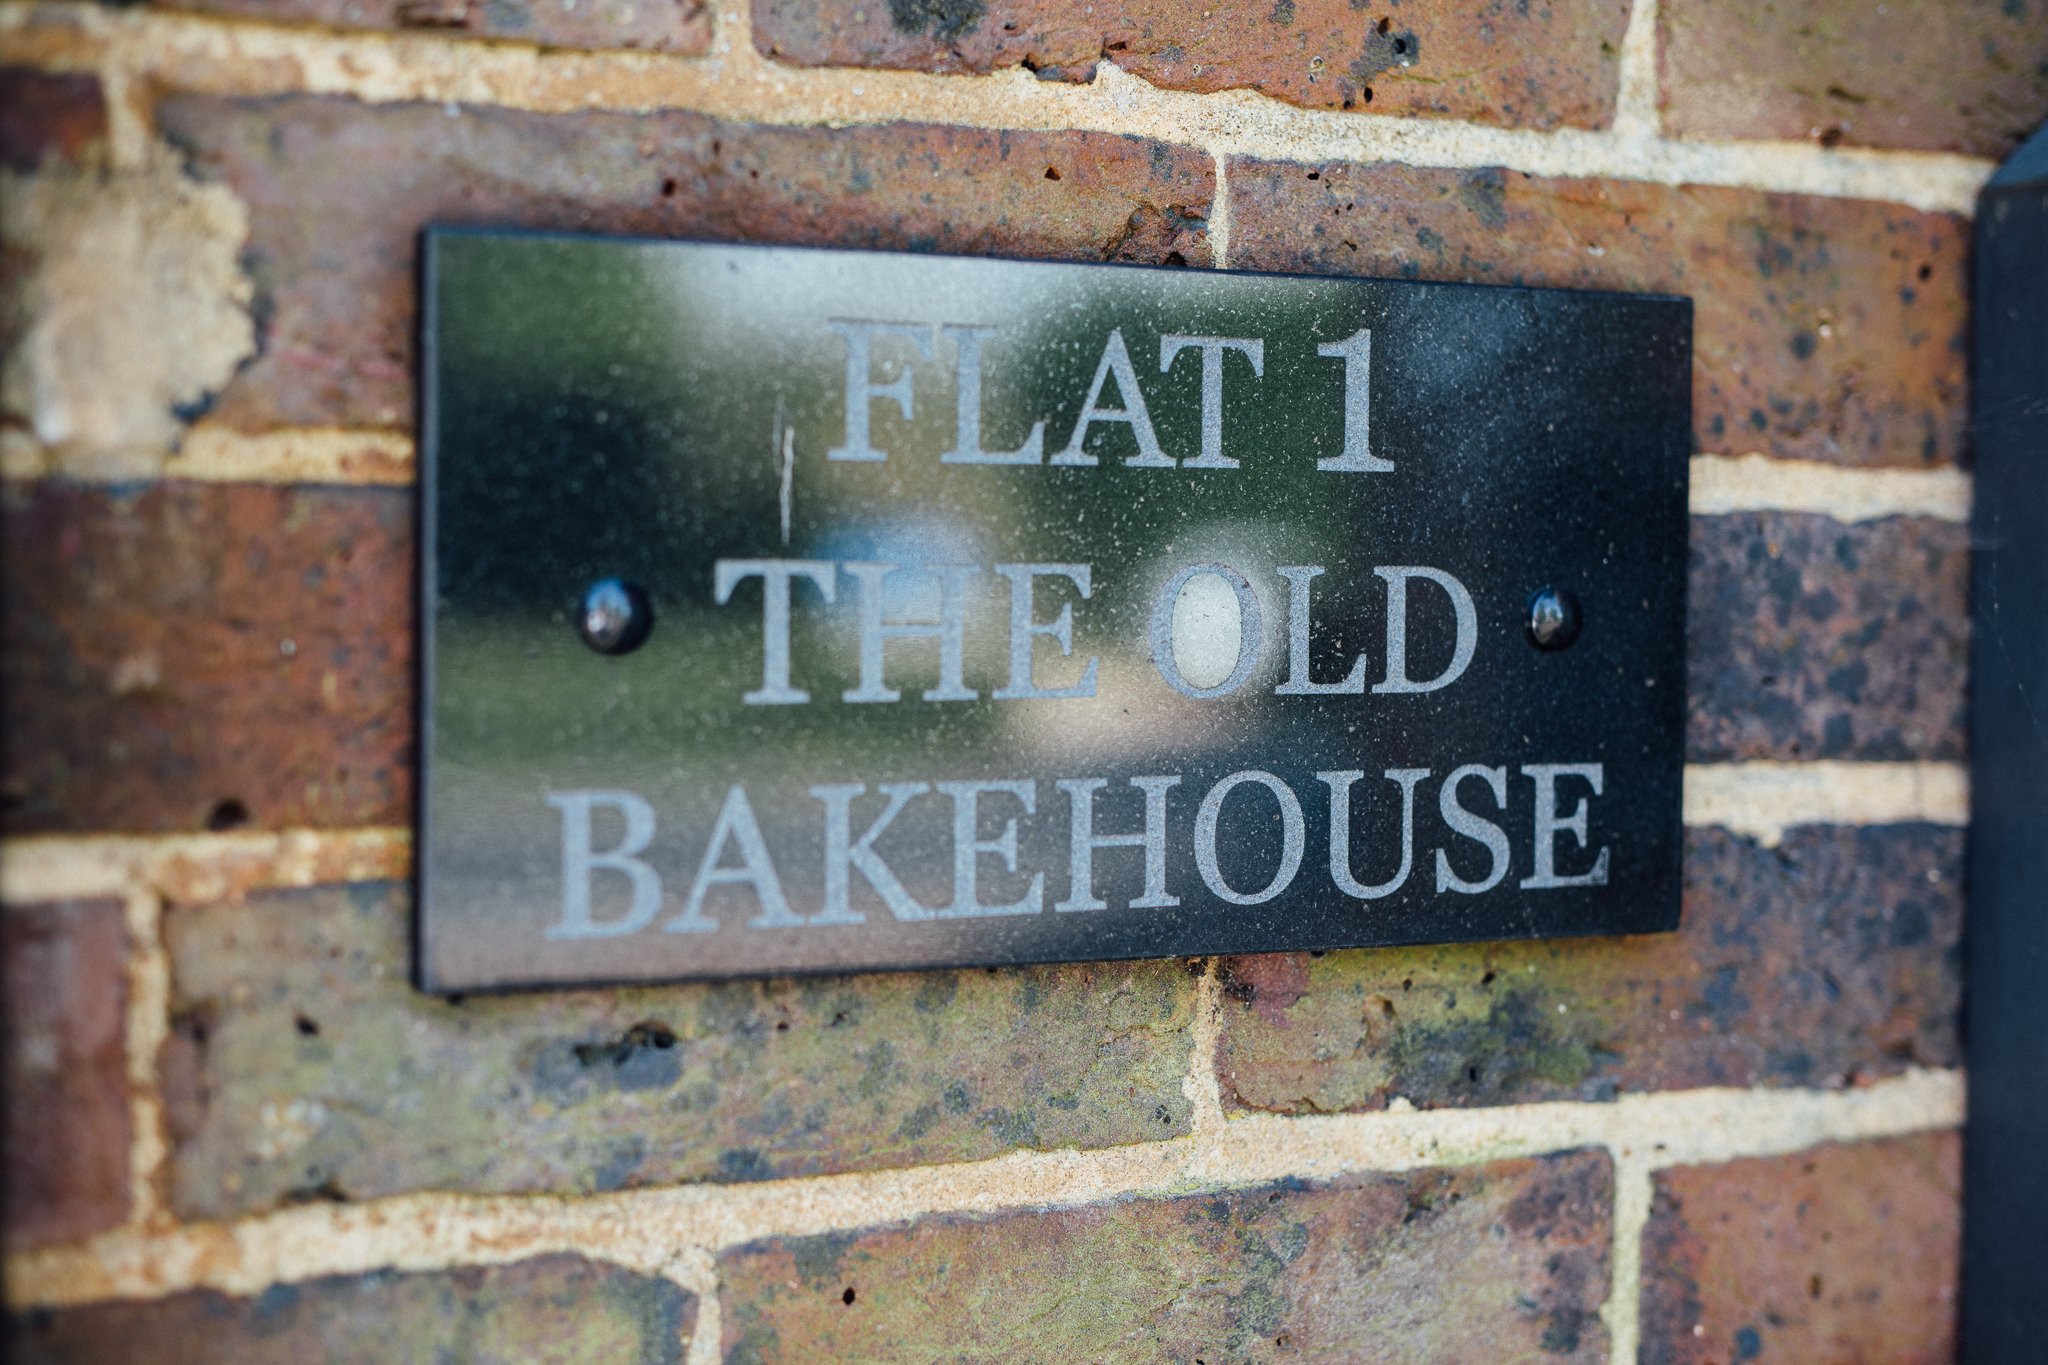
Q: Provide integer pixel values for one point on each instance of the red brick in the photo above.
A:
(1808, 638)
(1844, 1252)
(339, 190)
(302, 1065)
(1831, 959)
(561, 1309)
(1826, 329)
(66, 1099)
(1554, 63)
(679, 26)
(1932, 75)
(191, 656)
(45, 114)
(1506, 1262)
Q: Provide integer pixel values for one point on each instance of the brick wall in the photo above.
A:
(234, 1132)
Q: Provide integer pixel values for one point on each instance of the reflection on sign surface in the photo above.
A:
(794, 610)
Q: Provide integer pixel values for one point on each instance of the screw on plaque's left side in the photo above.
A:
(614, 616)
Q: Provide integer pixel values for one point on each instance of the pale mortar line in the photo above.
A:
(707, 1345)
(1635, 99)
(146, 1026)
(1633, 1192)
(295, 455)
(1201, 1086)
(1763, 800)
(643, 1230)
(196, 867)
(1219, 212)
(1761, 483)
(349, 456)
(1659, 1128)
(735, 82)
(129, 138)
(696, 1270)
(1720, 484)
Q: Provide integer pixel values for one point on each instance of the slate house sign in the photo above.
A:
(793, 610)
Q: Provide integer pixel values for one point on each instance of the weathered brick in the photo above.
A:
(1845, 1252)
(1506, 1262)
(303, 1065)
(1828, 329)
(1831, 959)
(679, 26)
(192, 655)
(66, 1098)
(1935, 75)
(1808, 638)
(339, 190)
(555, 1308)
(45, 114)
(1554, 63)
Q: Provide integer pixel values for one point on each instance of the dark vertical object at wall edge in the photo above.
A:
(2005, 1223)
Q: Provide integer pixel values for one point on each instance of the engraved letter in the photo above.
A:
(1083, 841)
(845, 854)
(1356, 352)
(1116, 359)
(775, 576)
(861, 388)
(1545, 776)
(967, 449)
(1298, 577)
(968, 848)
(736, 824)
(1212, 349)
(1474, 827)
(950, 630)
(579, 861)
(1397, 577)
(1340, 831)
(1024, 630)
(1168, 623)
(1293, 839)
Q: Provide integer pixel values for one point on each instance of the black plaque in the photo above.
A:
(1353, 609)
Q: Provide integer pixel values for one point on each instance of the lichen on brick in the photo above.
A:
(1830, 959)
(302, 1065)
(1507, 1260)
(1809, 638)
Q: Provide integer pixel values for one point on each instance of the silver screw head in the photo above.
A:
(1554, 619)
(614, 616)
